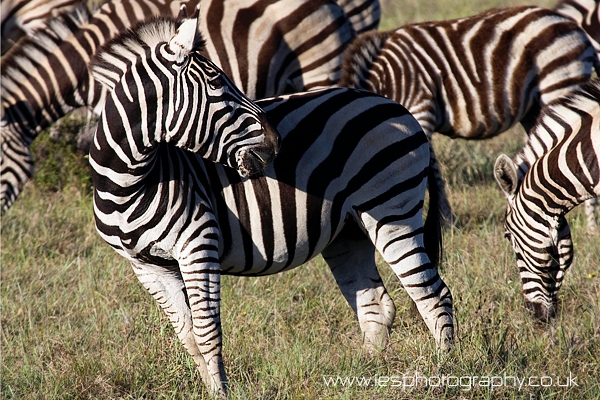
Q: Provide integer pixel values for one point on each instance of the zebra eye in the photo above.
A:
(217, 82)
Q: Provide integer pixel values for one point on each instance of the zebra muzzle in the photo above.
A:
(255, 159)
(541, 311)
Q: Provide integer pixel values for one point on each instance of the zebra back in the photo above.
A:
(474, 77)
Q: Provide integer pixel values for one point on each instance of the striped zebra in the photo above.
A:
(566, 143)
(364, 15)
(587, 14)
(23, 17)
(264, 52)
(350, 177)
(474, 77)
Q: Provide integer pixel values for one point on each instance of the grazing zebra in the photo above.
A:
(23, 17)
(564, 174)
(474, 77)
(46, 77)
(587, 14)
(350, 178)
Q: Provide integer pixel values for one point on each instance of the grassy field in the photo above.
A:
(76, 324)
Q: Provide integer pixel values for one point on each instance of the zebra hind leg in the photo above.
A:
(168, 289)
(401, 244)
(590, 212)
(352, 262)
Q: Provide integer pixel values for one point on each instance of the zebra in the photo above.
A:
(291, 46)
(364, 15)
(587, 14)
(564, 174)
(350, 177)
(474, 77)
(23, 17)
(48, 76)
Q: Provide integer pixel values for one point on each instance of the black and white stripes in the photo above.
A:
(267, 48)
(24, 17)
(474, 77)
(587, 14)
(558, 169)
(350, 178)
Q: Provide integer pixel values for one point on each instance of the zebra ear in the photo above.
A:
(505, 172)
(188, 37)
(183, 14)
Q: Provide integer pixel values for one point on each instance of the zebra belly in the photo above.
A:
(271, 239)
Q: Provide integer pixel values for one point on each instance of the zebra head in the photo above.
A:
(160, 83)
(541, 241)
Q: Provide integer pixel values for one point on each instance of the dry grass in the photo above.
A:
(76, 324)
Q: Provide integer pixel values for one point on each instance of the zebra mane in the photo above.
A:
(30, 50)
(570, 10)
(590, 93)
(111, 61)
(586, 99)
(359, 56)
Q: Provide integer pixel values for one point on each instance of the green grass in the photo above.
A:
(76, 324)
(399, 12)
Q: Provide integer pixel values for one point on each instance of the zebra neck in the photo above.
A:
(121, 159)
(358, 60)
(542, 202)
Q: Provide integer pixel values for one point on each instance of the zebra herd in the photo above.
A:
(254, 135)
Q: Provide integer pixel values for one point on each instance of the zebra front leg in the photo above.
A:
(352, 263)
(401, 244)
(202, 277)
(167, 287)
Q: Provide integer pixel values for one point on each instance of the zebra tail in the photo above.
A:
(432, 235)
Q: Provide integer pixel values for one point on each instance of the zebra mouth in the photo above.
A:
(252, 161)
(259, 158)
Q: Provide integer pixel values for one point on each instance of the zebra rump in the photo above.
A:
(564, 145)
(349, 179)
